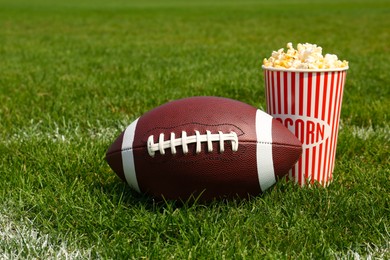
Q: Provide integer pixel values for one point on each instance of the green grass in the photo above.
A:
(74, 74)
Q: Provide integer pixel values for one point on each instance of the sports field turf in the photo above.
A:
(75, 73)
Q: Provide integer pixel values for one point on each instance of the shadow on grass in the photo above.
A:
(119, 192)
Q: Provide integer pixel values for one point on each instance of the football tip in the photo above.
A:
(114, 157)
(287, 149)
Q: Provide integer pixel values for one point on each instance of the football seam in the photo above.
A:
(246, 142)
(287, 145)
(195, 123)
(165, 128)
(216, 158)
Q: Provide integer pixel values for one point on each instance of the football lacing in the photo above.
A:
(198, 138)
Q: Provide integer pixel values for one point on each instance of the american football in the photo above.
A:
(206, 147)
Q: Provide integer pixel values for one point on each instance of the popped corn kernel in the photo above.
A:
(306, 56)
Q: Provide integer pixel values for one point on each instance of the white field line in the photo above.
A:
(370, 252)
(19, 240)
(64, 132)
(366, 133)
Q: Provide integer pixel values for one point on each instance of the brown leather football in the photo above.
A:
(206, 147)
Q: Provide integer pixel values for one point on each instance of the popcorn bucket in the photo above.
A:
(308, 103)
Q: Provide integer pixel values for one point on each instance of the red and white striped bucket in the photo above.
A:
(308, 103)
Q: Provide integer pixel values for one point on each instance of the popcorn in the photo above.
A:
(306, 56)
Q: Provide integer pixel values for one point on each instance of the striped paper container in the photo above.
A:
(308, 103)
